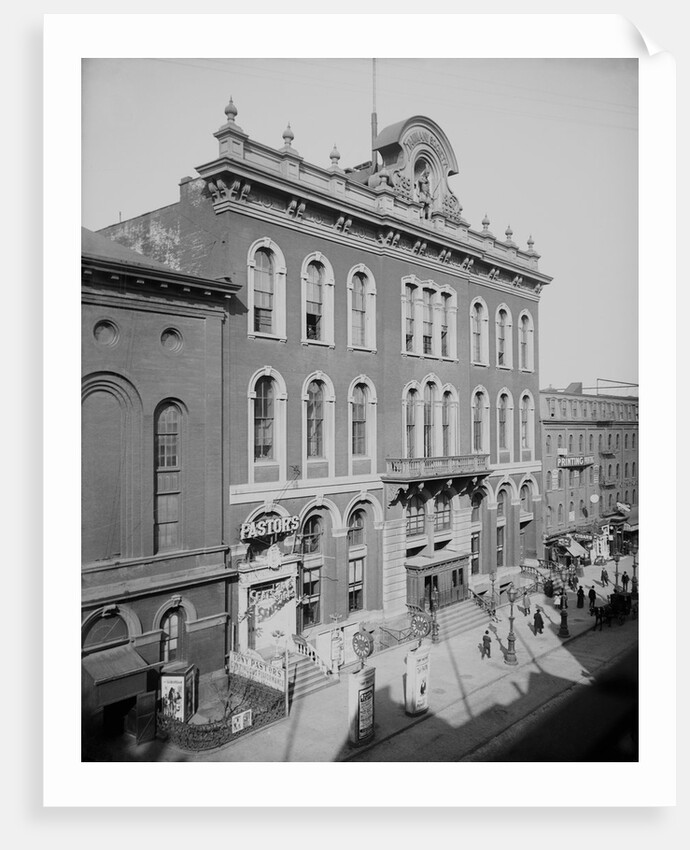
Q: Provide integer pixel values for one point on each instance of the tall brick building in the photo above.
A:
(379, 360)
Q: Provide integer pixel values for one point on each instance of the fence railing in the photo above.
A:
(486, 605)
(302, 647)
(419, 467)
(386, 637)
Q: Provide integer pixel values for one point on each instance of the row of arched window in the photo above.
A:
(603, 444)
(429, 311)
(583, 512)
(585, 408)
(556, 478)
(108, 630)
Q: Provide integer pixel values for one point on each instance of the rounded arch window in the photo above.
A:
(501, 503)
(314, 300)
(172, 626)
(442, 512)
(258, 545)
(356, 526)
(315, 417)
(105, 630)
(477, 500)
(560, 514)
(415, 516)
(311, 535)
(526, 498)
(560, 441)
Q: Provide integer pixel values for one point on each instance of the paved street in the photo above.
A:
(473, 700)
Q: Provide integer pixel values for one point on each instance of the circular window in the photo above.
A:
(171, 340)
(106, 332)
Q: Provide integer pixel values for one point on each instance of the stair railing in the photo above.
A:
(305, 649)
(487, 607)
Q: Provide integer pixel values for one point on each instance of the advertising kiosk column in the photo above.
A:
(361, 692)
(416, 679)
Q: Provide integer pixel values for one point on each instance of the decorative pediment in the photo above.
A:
(417, 162)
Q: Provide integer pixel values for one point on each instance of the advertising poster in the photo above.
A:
(366, 712)
(172, 696)
(421, 696)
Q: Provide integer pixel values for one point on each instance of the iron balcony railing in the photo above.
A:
(405, 468)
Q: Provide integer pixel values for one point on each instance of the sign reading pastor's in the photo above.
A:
(273, 525)
(574, 460)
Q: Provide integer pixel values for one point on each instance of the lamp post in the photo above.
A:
(616, 558)
(492, 576)
(434, 605)
(510, 657)
(634, 566)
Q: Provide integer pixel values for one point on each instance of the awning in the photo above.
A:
(576, 550)
(113, 663)
(632, 522)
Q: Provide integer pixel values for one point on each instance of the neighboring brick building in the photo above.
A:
(590, 453)
(380, 368)
(154, 476)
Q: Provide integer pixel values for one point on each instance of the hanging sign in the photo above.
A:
(264, 527)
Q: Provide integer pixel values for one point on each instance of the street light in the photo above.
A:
(616, 558)
(434, 605)
(563, 631)
(492, 576)
(510, 657)
(634, 566)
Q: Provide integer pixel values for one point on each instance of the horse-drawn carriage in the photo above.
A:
(619, 607)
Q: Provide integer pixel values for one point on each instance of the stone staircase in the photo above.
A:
(304, 677)
(461, 617)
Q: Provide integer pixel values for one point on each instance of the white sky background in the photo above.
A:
(547, 146)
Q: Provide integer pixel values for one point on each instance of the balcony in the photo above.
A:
(608, 482)
(425, 468)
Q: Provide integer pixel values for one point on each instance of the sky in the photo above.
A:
(547, 146)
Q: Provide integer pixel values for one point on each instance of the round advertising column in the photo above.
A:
(361, 692)
(416, 679)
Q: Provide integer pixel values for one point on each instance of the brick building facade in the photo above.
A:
(381, 431)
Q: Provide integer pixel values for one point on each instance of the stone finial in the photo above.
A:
(509, 234)
(231, 111)
(335, 156)
(530, 243)
(288, 136)
(486, 222)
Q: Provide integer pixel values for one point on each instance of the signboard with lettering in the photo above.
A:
(273, 525)
(256, 671)
(241, 721)
(574, 460)
(417, 681)
(361, 705)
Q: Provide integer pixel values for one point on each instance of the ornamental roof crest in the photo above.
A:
(417, 162)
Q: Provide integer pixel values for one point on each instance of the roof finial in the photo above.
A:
(288, 135)
(530, 242)
(335, 156)
(486, 222)
(230, 110)
(509, 233)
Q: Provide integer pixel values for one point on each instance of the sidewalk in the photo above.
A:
(471, 699)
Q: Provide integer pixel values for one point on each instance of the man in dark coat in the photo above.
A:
(538, 622)
(592, 599)
(580, 597)
(625, 578)
(604, 577)
(486, 644)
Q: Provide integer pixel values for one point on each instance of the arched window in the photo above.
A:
(358, 314)
(633, 440)
(447, 435)
(560, 479)
(172, 625)
(582, 508)
(478, 410)
(355, 531)
(477, 499)
(410, 325)
(503, 443)
(361, 296)
(415, 516)
(626, 471)
(526, 499)
(311, 535)
(625, 498)
(264, 418)
(634, 466)
(442, 512)
(618, 470)
(618, 441)
(429, 416)
(427, 321)
(560, 514)
(570, 444)
(501, 504)
(591, 442)
(107, 629)
(526, 424)
(477, 333)
(601, 442)
(526, 343)
(315, 420)
(264, 291)
(411, 423)
(591, 475)
(548, 444)
(634, 497)
(560, 441)
(168, 485)
(447, 338)
(594, 410)
(610, 471)
(504, 346)
(314, 301)
(359, 420)
(549, 516)
(625, 441)
(610, 441)
(610, 501)
(571, 512)
(581, 443)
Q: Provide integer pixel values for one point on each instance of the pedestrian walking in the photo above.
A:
(486, 644)
(592, 598)
(525, 601)
(604, 577)
(538, 622)
(625, 578)
(580, 597)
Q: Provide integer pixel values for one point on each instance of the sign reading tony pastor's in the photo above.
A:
(264, 527)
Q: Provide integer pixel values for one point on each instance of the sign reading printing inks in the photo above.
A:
(421, 697)
(366, 712)
(574, 460)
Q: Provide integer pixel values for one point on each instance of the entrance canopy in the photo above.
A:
(117, 673)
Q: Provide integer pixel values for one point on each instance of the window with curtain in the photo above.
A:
(359, 310)
(427, 322)
(501, 353)
(359, 420)
(478, 422)
(314, 305)
(477, 317)
(446, 413)
(442, 517)
(315, 412)
(429, 415)
(264, 290)
(415, 517)
(264, 419)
